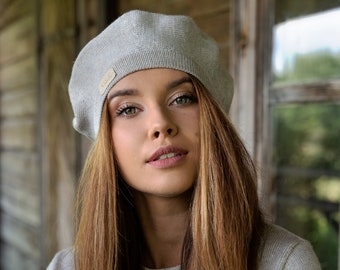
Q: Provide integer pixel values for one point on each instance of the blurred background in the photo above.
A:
(284, 56)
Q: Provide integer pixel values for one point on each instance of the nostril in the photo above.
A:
(165, 132)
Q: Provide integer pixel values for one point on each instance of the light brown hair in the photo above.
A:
(225, 225)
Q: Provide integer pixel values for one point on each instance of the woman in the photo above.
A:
(168, 183)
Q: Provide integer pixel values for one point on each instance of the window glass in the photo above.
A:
(307, 174)
(306, 48)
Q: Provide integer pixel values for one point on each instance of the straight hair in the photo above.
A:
(225, 224)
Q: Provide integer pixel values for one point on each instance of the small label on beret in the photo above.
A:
(108, 77)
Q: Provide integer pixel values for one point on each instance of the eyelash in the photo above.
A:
(191, 98)
(124, 109)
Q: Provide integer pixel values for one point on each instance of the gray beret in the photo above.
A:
(141, 40)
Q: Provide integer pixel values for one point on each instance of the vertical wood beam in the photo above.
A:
(251, 40)
(263, 138)
(243, 64)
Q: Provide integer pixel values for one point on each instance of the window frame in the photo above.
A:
(252, 25)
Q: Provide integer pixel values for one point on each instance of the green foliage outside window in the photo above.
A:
(315, 66)
(307, 160)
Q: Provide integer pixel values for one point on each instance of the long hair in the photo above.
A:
(226, 221)
(108, 231)
(225, 227)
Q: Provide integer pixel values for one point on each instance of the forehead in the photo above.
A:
(150, 76)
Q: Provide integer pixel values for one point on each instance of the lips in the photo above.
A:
(167, 156)
(170, 155)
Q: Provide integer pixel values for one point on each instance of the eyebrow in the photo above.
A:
(124, 92)
(133, 92)
(175, 83)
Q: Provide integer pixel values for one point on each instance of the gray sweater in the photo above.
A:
(282, 250)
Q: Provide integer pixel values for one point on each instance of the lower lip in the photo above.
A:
(167, 162)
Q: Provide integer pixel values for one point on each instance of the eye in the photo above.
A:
(184, 99)
(126, 110)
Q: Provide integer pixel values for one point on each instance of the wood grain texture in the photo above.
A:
(18, 40)
(19, 74)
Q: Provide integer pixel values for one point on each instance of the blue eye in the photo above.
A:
(184, 99)
(126, 110)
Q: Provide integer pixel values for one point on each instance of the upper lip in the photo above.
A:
(166, 150)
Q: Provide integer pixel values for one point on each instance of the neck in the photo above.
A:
(164, 222)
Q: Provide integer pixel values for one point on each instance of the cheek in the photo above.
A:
(191, 123)
(126, 142)
(120, 139)
(122, 132)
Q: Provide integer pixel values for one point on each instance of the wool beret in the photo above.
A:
(140, 40)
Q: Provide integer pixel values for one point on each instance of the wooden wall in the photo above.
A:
(57, 49)
(19, 156)
(38, 147)
(40, 154)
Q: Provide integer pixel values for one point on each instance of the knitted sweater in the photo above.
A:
(282, 250)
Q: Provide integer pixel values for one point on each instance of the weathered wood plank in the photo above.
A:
(20, 169)
(216, 24)
(169, 6)
(22, 204)
(59, 156)
(308, 92)
(204, 7)
(243, 53)
(19, 74)
(12, 259)
(18, 134)
(18, 40)
(20, 102)
(263, 147)
(52, 11)
(14, 9)
(23, 237)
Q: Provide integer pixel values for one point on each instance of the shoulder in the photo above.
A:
(63, 260)
(283, 250)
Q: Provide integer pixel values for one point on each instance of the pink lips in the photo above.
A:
(167, 157)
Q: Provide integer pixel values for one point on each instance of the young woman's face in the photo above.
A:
(155, 131)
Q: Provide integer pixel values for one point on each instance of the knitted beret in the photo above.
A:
(140, 40)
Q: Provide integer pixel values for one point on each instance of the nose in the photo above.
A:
(161, 124)
(157, 134)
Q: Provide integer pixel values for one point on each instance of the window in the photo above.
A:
(304, 122)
